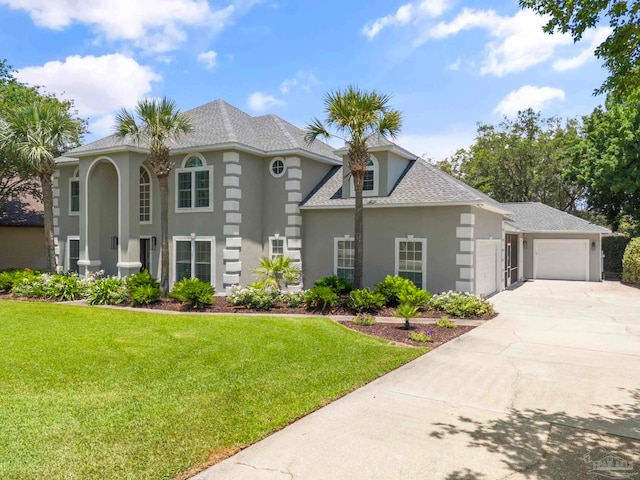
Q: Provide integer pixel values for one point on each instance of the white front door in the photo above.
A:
(561, 259)
(486, 267)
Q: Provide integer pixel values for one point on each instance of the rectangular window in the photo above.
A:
(368, 184)
(145, 203)
(202, 189)
(184, 190)
(194, 258)
(276, 247)
(73, 254)
(344, 258)
(74, 196)
(194, 189)
(411, 259)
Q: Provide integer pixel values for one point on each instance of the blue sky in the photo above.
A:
(448, 64)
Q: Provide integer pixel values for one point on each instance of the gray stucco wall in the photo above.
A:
(381, 227)
(68, 224)
(595, 255)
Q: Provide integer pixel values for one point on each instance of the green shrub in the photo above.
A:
(415, 296)
(64, 286)
(11, 278)
(444, 322)
(294, 299)
(254, 298)
(107, 291)
(406, 311)
(337, 284)
(29, 288)
(321, 298)
(422, 337)
(194, 293)
(392, 286)
(365, 300)
(277, 272)
(631, 262)
(461, 304)
(143, 288)
(364, 320)
(613, 247)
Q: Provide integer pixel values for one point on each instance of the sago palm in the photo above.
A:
(155, 124)
(356, 116)
(37, 133)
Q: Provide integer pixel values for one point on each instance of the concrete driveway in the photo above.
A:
(550, 389)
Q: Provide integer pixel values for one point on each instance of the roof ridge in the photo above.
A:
(286, 133)
(227, 121)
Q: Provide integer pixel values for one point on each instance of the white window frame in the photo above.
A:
(375, 167)
(150, 221)
(424, 257)
(194, 239)
(67, 256)
(335, 252)
(192, 170)
(74, 178)
(284, 170)
(284, 246)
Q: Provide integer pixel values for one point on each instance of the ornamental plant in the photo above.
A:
(392, 286)
(277, 272)
(337, 284)
(422, 337)
(365, 300)
(461, 304)
(107, 291)
(194, 293)
(406, 311)
(444, 322)
(321, 298)
(364, 320)
(254, 297)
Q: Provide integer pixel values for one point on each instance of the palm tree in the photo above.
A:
(156, 123)
(38, 133)
(356, 116)
(273, 273)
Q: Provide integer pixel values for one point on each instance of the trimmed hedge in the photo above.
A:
(631, 262)
(613, 247)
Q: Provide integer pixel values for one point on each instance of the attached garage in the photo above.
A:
(561, 259)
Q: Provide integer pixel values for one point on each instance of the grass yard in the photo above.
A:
(90, 393)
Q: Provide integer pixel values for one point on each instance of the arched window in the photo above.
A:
(145, 196)
(194, 185)
(74, 193)
(371, 179)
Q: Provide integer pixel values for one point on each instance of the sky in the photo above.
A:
(448, 64)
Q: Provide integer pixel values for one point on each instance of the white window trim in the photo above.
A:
(150, 221)
(285, 251)
(335, 251)
(376, 180)
(67, 257)
(74, 178)
(424, 257)
(284, 170)
(206, 167)
(193, 254)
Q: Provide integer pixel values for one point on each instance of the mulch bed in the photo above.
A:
(396, 333)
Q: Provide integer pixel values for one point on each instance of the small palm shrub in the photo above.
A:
(406, 311)
(143, 289)
(365, 300)
(392, 286)
(254, 298)
(364, 320)
(444, 322)
(107, 291)
(321, 298)
(461, 304)
(631, 262)
(11, 278)
(422, 337)
(337, 284)
(277, 273)
(194, 293)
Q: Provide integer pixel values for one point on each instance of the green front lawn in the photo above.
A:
(89, 393)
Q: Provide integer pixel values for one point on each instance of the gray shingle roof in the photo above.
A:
(420, 184)
(219, 123)
(24, 212)
(538, 217)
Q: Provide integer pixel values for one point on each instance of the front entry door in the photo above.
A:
(145, 254)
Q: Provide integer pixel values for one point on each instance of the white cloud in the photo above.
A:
(438, 145)
(518, 41)
(528, 97)
(595, 37)
(208, 59)
(260, 102)
(406, 14)
(99, 86)
(154, 25)
(303, 79)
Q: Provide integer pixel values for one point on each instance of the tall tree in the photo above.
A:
(620, 51)
(356, 116)
(38, 133)
(156, 123)
(521, 160)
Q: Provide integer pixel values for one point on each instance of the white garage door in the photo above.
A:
(561, 259)
(486, 267)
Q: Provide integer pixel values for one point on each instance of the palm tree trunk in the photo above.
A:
(47, 200)
(358, 270)
(164, 233)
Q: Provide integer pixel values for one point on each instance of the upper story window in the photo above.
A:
(277, 167)
(371, 179)
(145, 196)
(194, 185)
(74, 193)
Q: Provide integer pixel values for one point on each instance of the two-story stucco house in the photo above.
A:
(246, 187)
